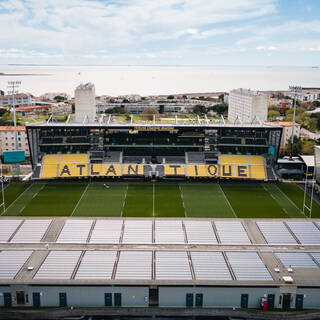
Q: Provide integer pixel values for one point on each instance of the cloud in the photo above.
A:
(80, 24)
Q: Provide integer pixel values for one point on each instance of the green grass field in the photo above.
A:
(158, 199)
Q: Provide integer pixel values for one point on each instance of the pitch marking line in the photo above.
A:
(184, 207)
(17, 198)
(83, 193)
(290, 200)
(277, 200)
(153, 199)
(234, 213)
(38, 192)
(124, 201)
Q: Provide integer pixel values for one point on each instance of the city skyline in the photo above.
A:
(170, 32)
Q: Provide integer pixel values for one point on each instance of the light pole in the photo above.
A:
(12, 89)
(295, 90)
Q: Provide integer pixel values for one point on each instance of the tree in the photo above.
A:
(199, 109)
(170, 97)
(308, 146)
(273, 114)
(59, 98)
(297, 147)
(149, 111)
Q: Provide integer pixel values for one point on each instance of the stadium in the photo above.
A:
(154, 214)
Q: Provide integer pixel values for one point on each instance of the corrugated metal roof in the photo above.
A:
(248, 266)
(137, 231)
(169, 231)
(96, 265)
(32, 231)
(75, 231)
(210, 265)
(232, 232)
(275, 232)
(296, 259)
(200, 232)
(58, 265)
(134, 265)
(7, 228)
(106, 231)
(172, 265)
(306, 232)
(11, 262)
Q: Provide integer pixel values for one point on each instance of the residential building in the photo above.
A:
(51, 95)
(306, 94)
(20, 99)
(287, 130)
(7, 139)
(246, 105)
(85, 104)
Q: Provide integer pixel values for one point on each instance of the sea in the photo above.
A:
(155, 80)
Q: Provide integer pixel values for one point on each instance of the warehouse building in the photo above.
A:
(106, 262)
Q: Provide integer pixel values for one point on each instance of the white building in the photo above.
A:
(20, 99)
(245, 105)
(287, 130)
(7, 139)
(85, 104)
(52, 95)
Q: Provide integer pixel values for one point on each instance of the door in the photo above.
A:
(189, 300)
(108, 299)
(199, 300)
(244, 300)
(299, 301)
(7, 299)
(20, 297)
(36, 299)
(286, 301)
(62, 299)
(270, 301)
(117, 299)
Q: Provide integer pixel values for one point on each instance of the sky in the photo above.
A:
(160, 32)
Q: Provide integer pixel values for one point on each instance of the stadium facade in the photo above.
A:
(148, 149)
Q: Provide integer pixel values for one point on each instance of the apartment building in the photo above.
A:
(245, 105)
(287, 130)
(7, 139)
(20, 99)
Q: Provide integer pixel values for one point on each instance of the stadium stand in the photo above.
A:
(195, 157)
(79, 165)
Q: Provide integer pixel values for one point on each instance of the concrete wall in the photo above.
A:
(215, 296)
(90, 296)
(311, 299)
(2, 290)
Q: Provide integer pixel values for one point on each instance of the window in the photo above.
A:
(6, 144)
(19, 139)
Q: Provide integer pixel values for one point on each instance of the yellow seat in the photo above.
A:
(258, 172)
(241, 171)
(256, 160)
(174, 170)
(74, 158)
(49, 171)
(133, 170)
(73, 170)
(50, 159)
(233, 159)
(104, 170)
